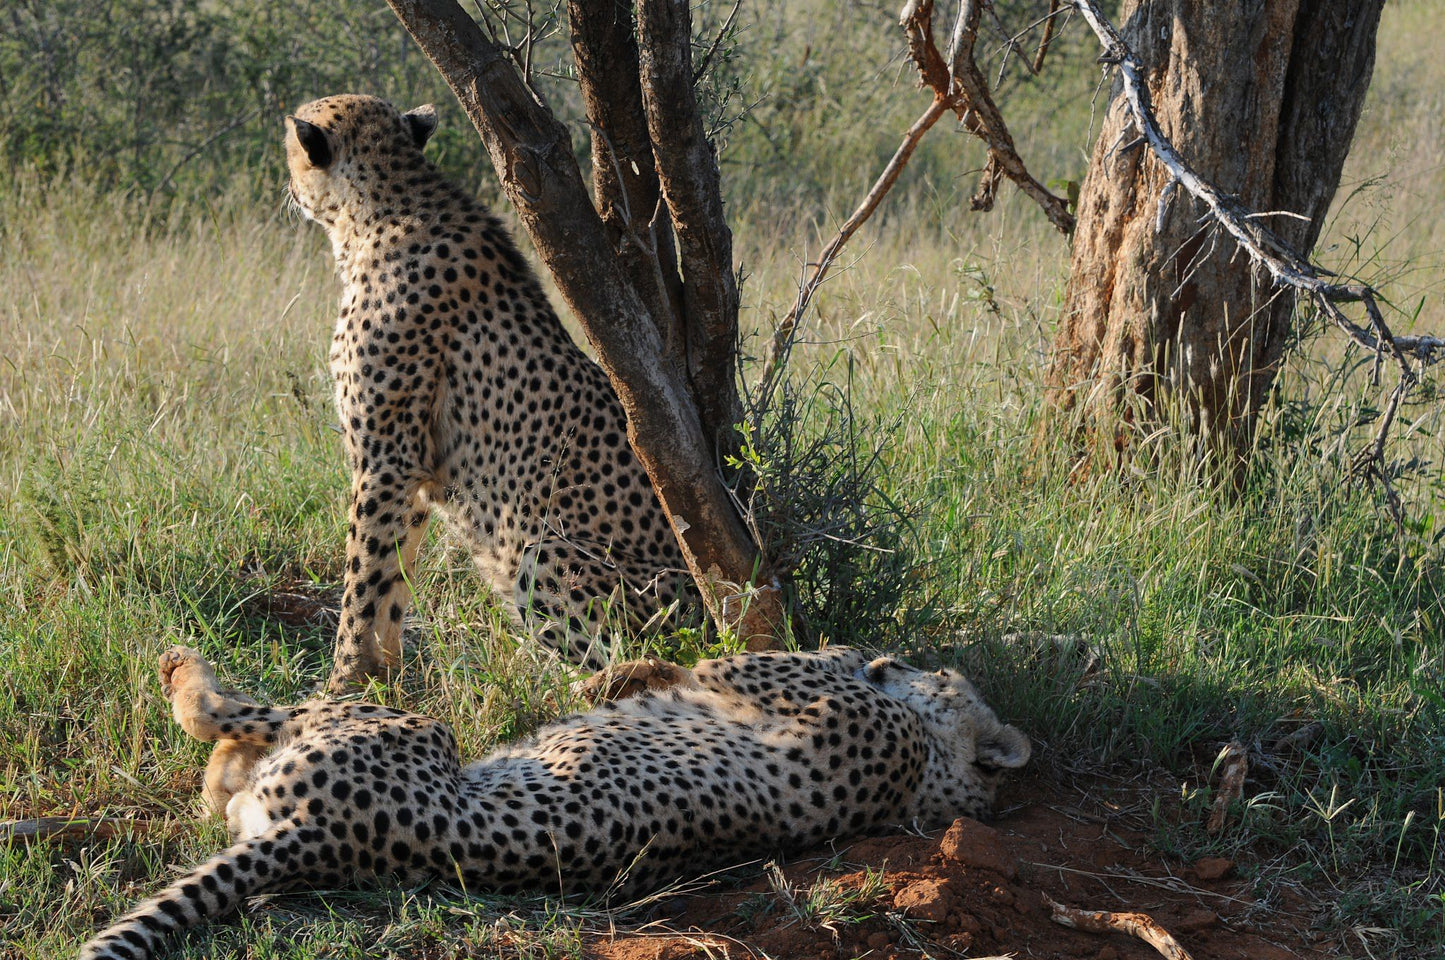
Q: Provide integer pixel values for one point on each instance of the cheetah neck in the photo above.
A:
(388, 218)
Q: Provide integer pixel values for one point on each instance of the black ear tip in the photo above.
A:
(314, 141)
(421, 123)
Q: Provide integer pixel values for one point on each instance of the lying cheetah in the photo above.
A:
(459, 389)
(742, 756)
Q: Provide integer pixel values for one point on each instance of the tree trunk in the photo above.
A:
(666, 337)
(1163, 323)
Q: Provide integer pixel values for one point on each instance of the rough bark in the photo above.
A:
(688, 170)
(532, 153)
(1163, 322)
(625, 187)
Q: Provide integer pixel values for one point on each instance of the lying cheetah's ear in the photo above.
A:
(1006, 747)
(422, 122)
(313, 140)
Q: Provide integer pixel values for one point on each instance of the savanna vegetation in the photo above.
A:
(169, 469)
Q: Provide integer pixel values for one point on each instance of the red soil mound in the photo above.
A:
(977, 891)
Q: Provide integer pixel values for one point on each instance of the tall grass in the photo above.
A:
(168, 470)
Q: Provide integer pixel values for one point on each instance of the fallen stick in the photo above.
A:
(70, 828)
(1139, 925)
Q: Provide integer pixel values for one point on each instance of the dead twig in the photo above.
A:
(783, 336)
(1139, 925)
(70, 828)
(1232, 764)
(1048, 38)
(960, 86)
(1286, 267)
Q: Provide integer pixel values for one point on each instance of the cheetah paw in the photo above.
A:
(633, 678)
(174, 659)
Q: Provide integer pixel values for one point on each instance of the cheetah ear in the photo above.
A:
(1006, 747)
(313, 140)
(421, 122)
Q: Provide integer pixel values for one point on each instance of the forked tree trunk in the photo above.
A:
(661, 313)
(1163, 323)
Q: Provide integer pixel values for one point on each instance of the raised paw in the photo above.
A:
(630, 679)
(190, 666)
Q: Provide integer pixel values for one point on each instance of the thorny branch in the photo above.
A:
(958, 85)
(717, 41)
(1269, 252)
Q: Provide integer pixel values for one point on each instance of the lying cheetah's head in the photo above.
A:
(974, 748)
(351, 152)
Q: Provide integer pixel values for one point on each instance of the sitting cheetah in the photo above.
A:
(739, 757)
(458, 388)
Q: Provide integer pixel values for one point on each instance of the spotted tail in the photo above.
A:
(262, 864)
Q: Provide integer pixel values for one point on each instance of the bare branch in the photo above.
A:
(1048, 38)
(959, 80)
(957, 85)
(202, 147)
(1286, 267)
(783, 336)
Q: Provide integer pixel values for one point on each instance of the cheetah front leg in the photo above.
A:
(564, 596)
(387, 521)
(572, 596)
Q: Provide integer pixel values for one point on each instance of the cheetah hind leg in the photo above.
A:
(565, 595)
(245, 730)
(208, 712)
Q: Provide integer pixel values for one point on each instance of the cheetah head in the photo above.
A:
(971, 749)
(349, 153)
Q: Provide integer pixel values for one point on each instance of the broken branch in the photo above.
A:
(71, 828)
(1139, 925)
(1233, 764)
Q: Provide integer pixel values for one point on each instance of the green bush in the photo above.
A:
(166, 97)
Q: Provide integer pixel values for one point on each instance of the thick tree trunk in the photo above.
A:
(1163, 323)
(616, 271)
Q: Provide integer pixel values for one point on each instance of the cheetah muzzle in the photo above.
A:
(738, 757)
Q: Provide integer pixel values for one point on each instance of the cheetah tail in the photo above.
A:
(215, 888)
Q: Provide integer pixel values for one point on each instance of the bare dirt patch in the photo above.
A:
(977, 890)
